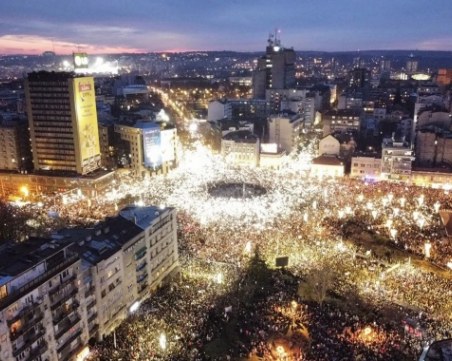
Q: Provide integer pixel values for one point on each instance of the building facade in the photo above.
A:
(366, 167)
(285, 131)
(396, 160)
(341, 121)
(275, 70)
(152, 149)
(59, 293)
(40, 303)
(326, 166)
(62, 118)
(241, 147)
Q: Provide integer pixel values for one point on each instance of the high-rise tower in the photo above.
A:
(62, 117)
(275, 70)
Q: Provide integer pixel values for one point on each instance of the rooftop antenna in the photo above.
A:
(277, 41)
(270, 39)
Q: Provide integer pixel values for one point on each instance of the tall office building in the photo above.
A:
(412, 64)
(63, 122)
(275, 70)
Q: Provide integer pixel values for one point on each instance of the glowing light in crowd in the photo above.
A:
(437, 206)
(162, 341)
(427, 248)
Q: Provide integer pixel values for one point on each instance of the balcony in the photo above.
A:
(93, 329)
(29, 339)
(141, 267)
(28, 325)
(66, 325)
(62, 299)
(63, 284)
(91, 304)
(20, 292)
(89, 292)
(36, 352)
(65, 313)
(66, 349)
(27, 314)
(92, 317)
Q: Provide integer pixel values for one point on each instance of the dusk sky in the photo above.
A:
(108, 26)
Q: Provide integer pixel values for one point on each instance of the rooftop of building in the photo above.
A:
(143, 217)
(242, 136)
(16, 258)
(52, 75)
(327, 159)
(343, 113)
(107, 237)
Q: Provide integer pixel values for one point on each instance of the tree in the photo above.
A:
(320, 281)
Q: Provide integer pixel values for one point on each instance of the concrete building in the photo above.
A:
(412, 64)
(285, 130)
(123, 259)
(444, 77)
(433, 147)
(275, 70)
(241, 147)
(62, 117)
(329, 145)
(366, 167)
(40, 302)
(15, 149)
(271, 156)
(152, 149)
(218, 110)
(350, 101)
(346, 120)
(359, 78)
(57, 294)
(237, 110)
(327, 166)
(396, 160)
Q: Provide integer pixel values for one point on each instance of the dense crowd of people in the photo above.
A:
(336, 228)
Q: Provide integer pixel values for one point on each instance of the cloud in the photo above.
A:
(32, 44)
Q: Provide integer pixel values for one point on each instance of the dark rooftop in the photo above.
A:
(243, 136)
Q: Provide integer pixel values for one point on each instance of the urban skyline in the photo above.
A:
(112, 27)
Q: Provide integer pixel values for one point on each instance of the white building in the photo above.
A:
(271, 156)
(285, 131)
(219, 109)
(366, 167)
(241, 147)
(152, 150)
(396, 160)
(39, 303)
(329, 145)
(58, 294)
(327, 166)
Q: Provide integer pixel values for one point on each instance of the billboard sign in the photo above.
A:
(86, 117)
(152, 152)
(80, 60)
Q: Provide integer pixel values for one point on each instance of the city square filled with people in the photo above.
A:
(368, 273)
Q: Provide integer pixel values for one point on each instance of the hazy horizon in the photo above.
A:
(114, 26)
